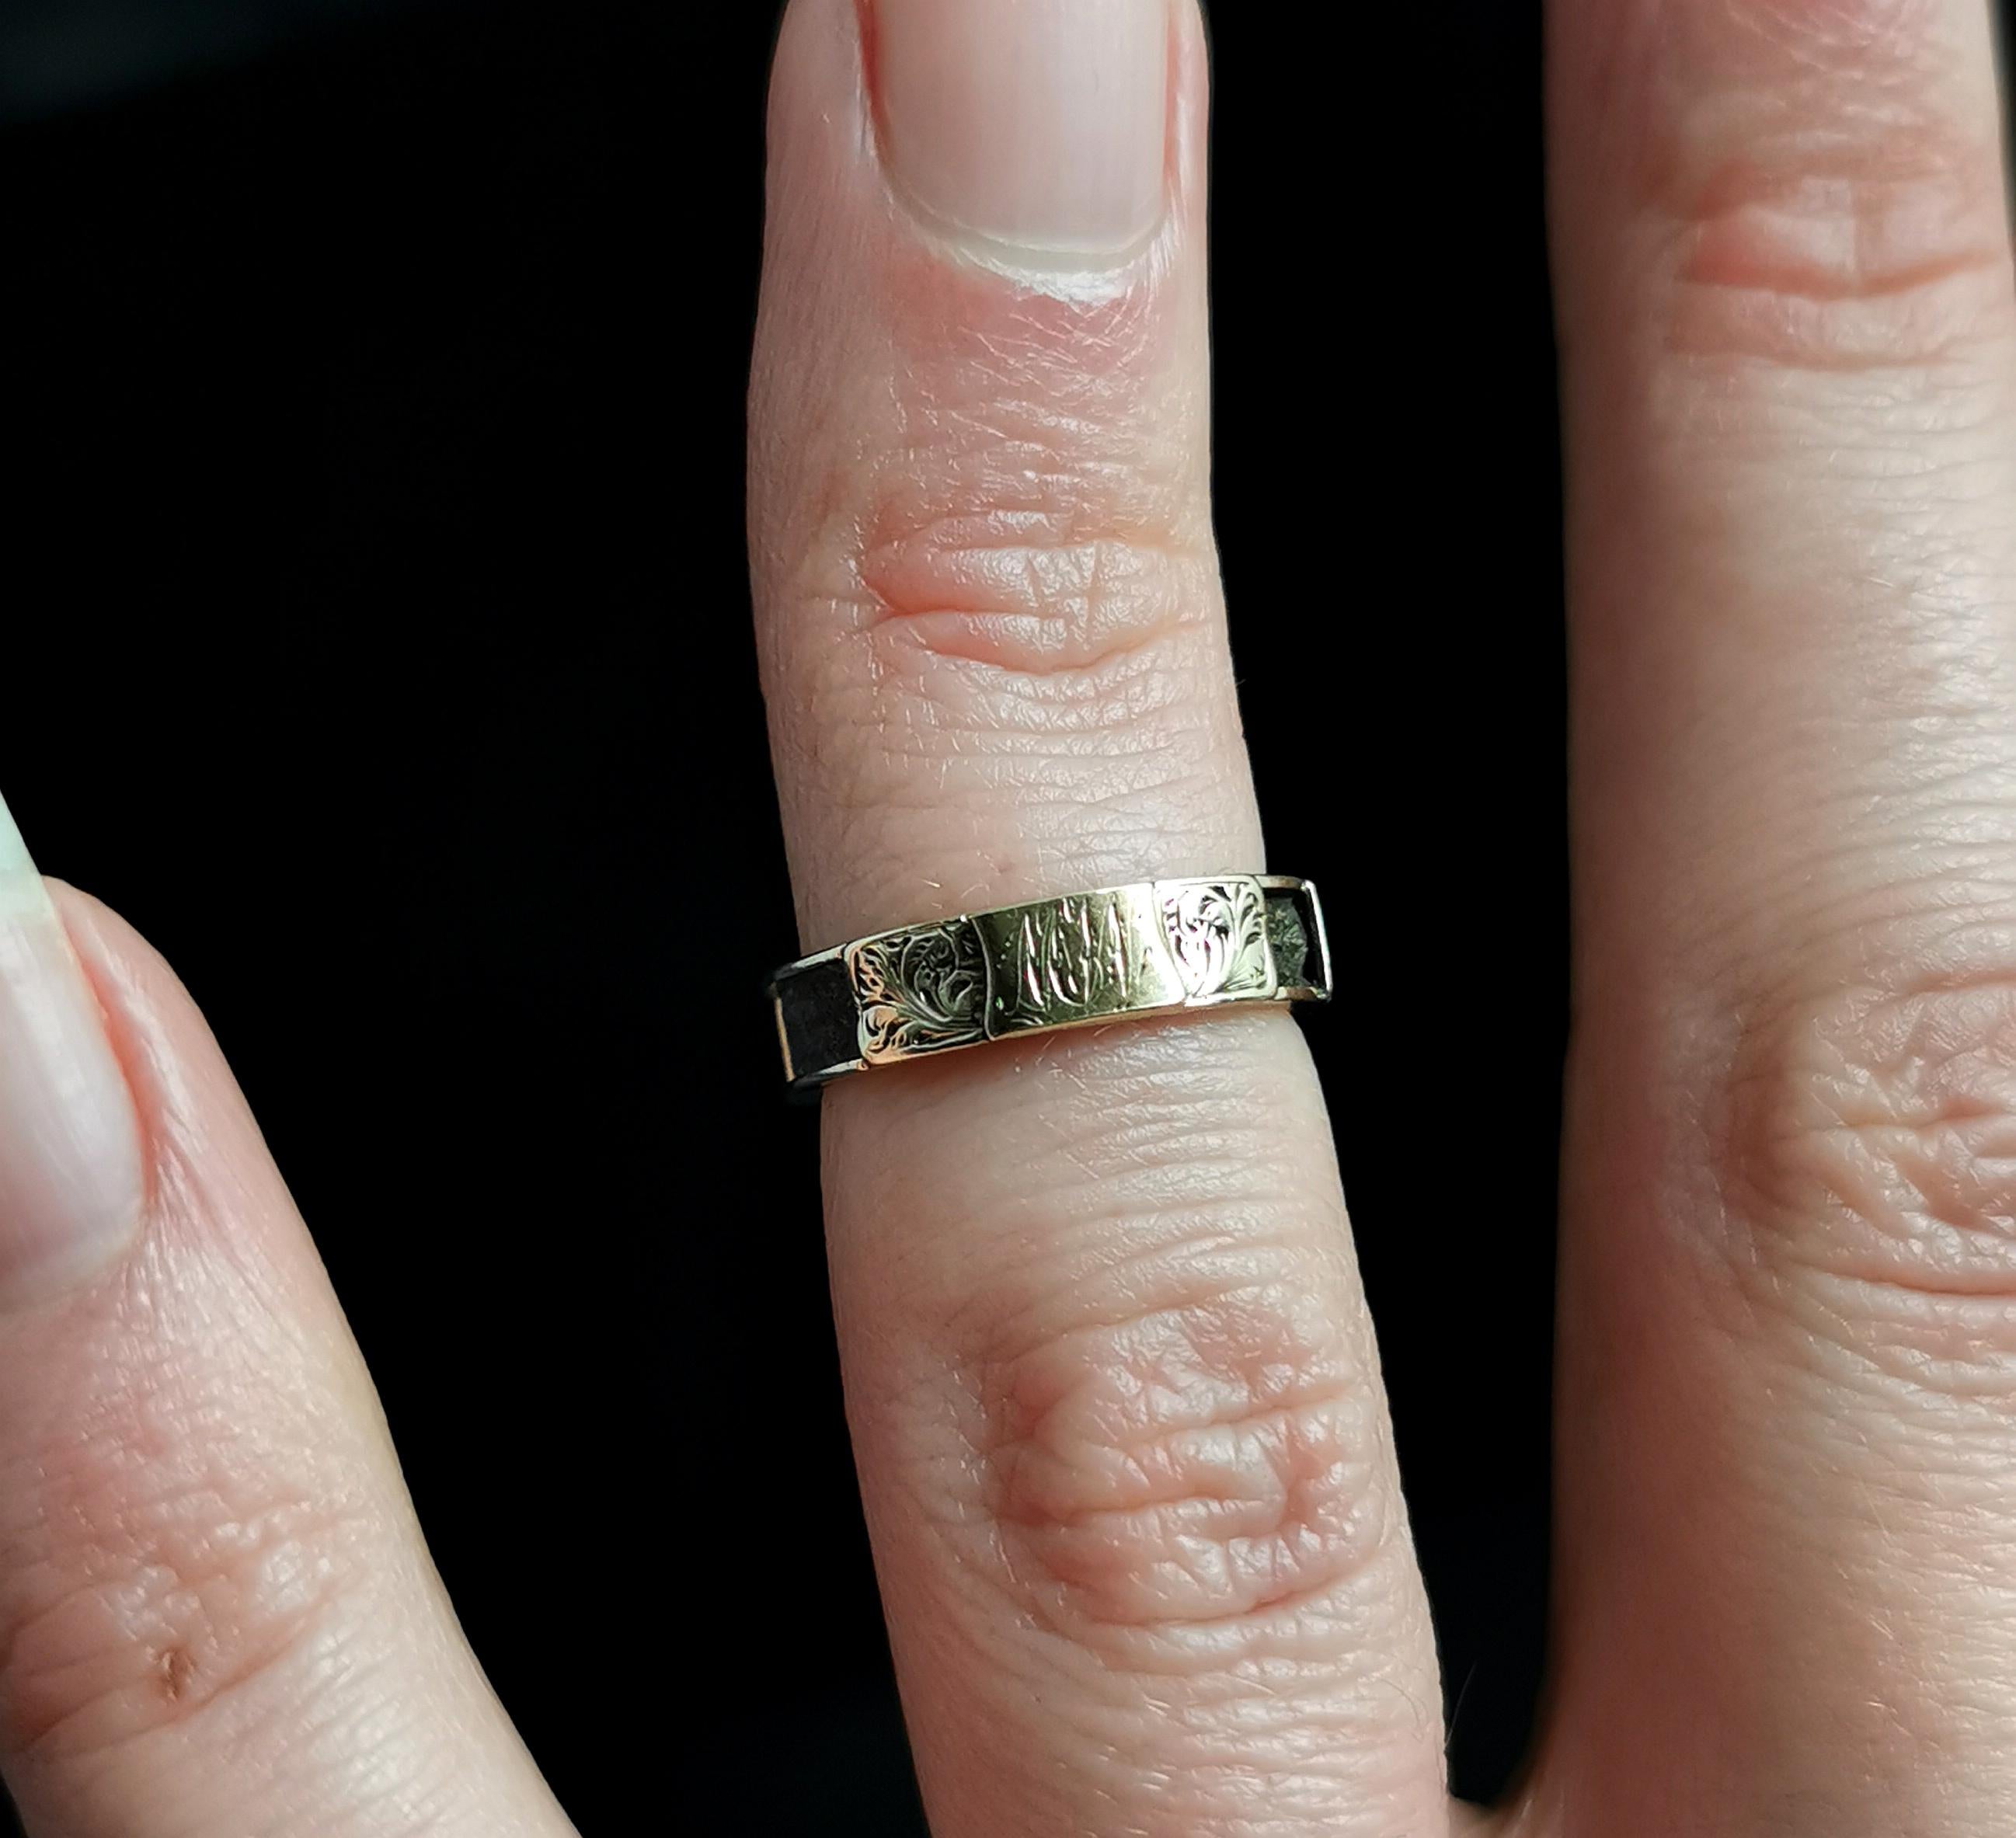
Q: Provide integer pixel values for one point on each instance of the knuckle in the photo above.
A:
(1024, 677)
(1835, 187)
(1175, 1448)
(1208, 1460)
(1031, 587)
(1035, 508)
(1865, 1139)
(1831, 271)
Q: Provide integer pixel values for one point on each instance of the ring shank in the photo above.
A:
(1077, 960)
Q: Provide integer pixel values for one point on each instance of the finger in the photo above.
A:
(216, 1612)
(1788, 1379)
(1117, 1409)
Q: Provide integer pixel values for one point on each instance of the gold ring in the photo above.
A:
(1078, 960)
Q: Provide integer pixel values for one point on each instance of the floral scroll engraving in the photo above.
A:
(920, 991)
(1218, 935)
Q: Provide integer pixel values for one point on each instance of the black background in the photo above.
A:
(377, 641)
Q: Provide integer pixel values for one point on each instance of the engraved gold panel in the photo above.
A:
(1086, 957)
(1216, 932)
(920, 990)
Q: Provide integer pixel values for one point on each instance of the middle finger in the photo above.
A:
(1787, 1597)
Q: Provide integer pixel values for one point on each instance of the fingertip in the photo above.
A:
(817, 120)
(1060, 146)
(215, 1209)
(1040, 127)
(71, 1168)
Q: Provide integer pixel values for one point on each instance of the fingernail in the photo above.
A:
(1042, 123)
(70, 1141)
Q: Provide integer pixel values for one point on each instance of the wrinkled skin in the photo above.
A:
(1115, 1396)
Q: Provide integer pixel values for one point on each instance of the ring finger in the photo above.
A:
(1114, 1393)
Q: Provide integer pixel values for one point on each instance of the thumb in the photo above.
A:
(217, 1614)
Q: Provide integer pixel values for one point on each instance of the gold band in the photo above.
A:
(1075, 961)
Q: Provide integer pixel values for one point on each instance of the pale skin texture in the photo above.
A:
(1122, 1441)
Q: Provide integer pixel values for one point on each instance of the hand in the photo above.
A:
(1114, 1392)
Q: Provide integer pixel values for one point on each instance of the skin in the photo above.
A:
(1122, 1442)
